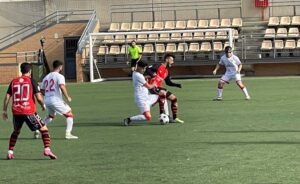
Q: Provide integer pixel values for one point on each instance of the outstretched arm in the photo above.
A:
(240, 68)
(170, 83)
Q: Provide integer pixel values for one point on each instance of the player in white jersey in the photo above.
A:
(143, 99)
(233, 67)
(54, 88)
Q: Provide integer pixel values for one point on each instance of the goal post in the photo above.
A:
(96, 39)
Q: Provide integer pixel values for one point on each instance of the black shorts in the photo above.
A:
(156, 91)
(33, 121)
(133, 62)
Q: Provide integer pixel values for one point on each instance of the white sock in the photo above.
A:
(166, 108)
(219, 92)
(69, 124)
(48, 120)
(245, 92)
(138, 118)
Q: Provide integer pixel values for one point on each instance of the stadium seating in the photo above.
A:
(158, 26)
(130, 38)
(199, 35)
(114, 50)
(281, 33)
(278, 44)
(153, 37)
(225, 23)
(293, 32)
(194, 47)
(176, 36)
(295, 21)
(209, 35)
(266, 45)
(169, 25)
(124, 49)
(221, 35)
(298, 44)
(164, 37)
(290, 44)
(205, 47)
(181, 24)
(147, 26)
(119, 39)
(270, 33)
(191, 24)
(103, 49)
(218, 46)
(108, 39)
(273, 21)
(203, 24)
(114, 27)
(136, 26)
(125, 26)
(171, 47)
(182, 47)
(214, 23)
(148, 49)
(142, 38)
(187, 36)
(160, 48)
(285, 21)
(237, 22)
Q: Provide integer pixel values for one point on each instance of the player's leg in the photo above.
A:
(47, 120)
(34, 122)
(244, 89)
(174, 107)
(18, 121)
(162, 101)
(224, 79)
(64, 109)
(144, 116)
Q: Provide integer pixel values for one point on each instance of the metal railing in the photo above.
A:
(54, 18)
(88, 29)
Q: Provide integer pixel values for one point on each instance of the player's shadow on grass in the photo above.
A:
(98, 124)
(27, 159)
(30, 139)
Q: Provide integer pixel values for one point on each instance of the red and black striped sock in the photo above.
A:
(13, 140)
(174, 107)
(46, 138)
(161, 102)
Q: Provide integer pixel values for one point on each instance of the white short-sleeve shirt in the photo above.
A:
(231, 64)
(140, 91)
(51, 87)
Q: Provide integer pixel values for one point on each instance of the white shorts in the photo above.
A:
(59, 107)
(145, 105)
(228, 77)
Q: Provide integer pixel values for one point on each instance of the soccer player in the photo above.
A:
(143, 99)
(23, 91)
(53, 86)
(135, 54)
(158, 74)
(233, 67)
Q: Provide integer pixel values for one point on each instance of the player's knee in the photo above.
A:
(221, 85)
(148, 116)
(241, 85)
(44, 128)
(69, 115)
(51, 116)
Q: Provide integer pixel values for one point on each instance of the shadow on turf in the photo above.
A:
(250, 142)
(29, 138)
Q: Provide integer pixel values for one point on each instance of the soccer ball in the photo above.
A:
(164, 119)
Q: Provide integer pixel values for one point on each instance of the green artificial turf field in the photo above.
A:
(227, 142)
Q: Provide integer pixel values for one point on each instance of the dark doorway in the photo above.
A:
(70, 57)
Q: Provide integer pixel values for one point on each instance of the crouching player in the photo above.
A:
(143, 99)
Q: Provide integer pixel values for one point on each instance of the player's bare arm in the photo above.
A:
(240, 68)
(5, 105)
(216, 69)
(40, 99)
(65, 92)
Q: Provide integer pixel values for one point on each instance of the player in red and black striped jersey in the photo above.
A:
(23, 90)
(159, 73)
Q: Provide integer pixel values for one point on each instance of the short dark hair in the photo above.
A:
(168, 56)
(57, 63)
(25, 68)
(142, 64)
(228, 49)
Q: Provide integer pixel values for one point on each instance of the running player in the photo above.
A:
(158, 74)
(23, 90)
(233, 67)
(53, 86)
(143, 99)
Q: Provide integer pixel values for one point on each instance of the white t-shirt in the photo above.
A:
(231, 64)
(51, 87)
(140, 91)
